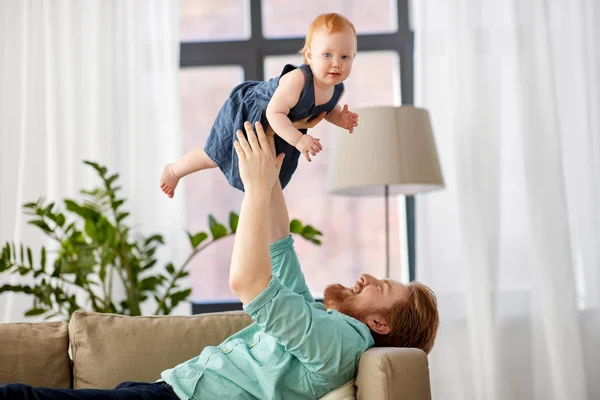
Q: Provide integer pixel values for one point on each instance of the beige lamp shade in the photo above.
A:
(391, 146)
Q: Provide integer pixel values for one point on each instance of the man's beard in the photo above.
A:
(340, 298)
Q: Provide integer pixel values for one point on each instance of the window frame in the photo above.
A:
(250, 54)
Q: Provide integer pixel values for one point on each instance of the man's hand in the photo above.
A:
(258, 168)
(309, 144)
(348, 119)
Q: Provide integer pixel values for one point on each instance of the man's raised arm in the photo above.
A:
(250, 270)
(279, 219)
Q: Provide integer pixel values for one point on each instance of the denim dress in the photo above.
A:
(248, 102)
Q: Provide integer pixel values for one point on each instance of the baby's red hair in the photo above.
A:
(333, 22)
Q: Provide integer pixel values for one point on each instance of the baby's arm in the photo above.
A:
(342, 117)
(334, 115)
(286, 96)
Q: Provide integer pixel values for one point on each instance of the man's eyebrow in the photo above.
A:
(388, 284)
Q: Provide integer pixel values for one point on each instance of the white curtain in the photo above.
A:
(88, 80)
(512, 246)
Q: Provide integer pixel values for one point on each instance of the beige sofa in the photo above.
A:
(106, 349)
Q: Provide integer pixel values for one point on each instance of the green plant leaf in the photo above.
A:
(34, 311)
(17, 289)
(150, 283)
(149, 265)
(122, 216)
(295, 226)
(49, 208)
(41, 224)
(70, 205)
(154, 238)
(233, 221)
(112, 178)
(183, 274)
(170, 268)
(43, 259)
(197, 239)
(118, 203)
(60, 220)
(310, 231)
(102, 274)
(177, 297)
(218, 230)
(90, 229)
(30, 257)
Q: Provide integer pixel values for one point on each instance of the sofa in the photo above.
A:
(96, 350)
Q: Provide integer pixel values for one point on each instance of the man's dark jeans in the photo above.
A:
(125, 391)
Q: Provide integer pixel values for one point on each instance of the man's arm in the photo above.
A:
(250, 271)
(279, 218)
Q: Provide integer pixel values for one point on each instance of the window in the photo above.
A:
(372, 17)
(209, 21)
(255, 41)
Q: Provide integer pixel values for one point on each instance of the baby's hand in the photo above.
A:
(348, 119)
(308, 144)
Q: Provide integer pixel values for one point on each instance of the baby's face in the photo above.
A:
(331, 55)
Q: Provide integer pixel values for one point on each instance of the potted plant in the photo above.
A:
(96, 249)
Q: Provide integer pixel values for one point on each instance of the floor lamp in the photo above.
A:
(392, 151)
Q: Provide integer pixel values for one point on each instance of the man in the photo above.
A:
(296, 348)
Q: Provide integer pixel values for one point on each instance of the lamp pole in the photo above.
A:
(387, 231)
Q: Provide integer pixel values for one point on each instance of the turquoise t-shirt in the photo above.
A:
(294, 349)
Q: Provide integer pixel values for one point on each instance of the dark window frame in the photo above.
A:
(250, 55)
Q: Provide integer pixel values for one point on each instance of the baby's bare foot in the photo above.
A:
(168, 180)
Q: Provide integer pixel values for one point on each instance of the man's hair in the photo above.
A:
(413, 321)
(333, 22)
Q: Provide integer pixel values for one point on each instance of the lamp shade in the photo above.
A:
(392, 146)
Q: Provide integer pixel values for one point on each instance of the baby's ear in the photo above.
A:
(308, 53)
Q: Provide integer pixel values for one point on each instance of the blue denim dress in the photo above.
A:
(248, 102)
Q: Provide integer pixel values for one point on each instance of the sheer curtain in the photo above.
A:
(512, 246)
(95, 80)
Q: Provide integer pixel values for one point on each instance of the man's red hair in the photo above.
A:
(414, 322)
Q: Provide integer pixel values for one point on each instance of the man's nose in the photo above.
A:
(366, 279)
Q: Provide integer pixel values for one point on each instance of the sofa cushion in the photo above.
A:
(36, 354)
(108, 349)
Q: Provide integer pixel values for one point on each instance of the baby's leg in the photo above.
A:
(192, 161)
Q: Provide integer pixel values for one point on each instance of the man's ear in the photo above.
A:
(379, 325)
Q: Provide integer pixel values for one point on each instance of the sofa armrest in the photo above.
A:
(393, 373)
